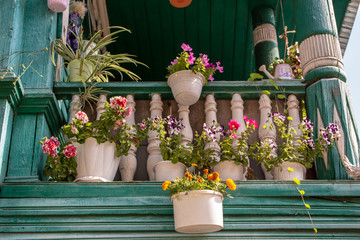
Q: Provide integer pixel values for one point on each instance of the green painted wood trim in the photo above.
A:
(6, 120)
(325, 72)
(13, 93)
(261, 15)
(317, 17)
(255, 188)
(221, 89)
(326, 95)
(123, 210)
(265, 53)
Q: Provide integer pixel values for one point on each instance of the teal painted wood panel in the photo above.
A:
(6, 119)
(143, 210)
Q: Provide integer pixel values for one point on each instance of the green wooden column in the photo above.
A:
(327, 96)
(32, 26)
(265, 37)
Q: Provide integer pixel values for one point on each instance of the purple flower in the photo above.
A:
(210, 65)
(191, 58)
(186, 48)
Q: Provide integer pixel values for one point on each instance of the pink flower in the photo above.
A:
(82, 117)
(211, 78)
(204, 59)
(127, 111)
(50, 146)
(246, 119)
(135, 140)
(173, 62)
(210, 65)
(191, 58)
(118, 102)
(74, 130)
(234, 124)
(70, 151)
(218, 67)
(252, 122)
(142, 126)
(119, 123)
(233, 135)
(186, 48)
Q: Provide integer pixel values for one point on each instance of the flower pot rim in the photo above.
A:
(197, 192)
(167, 162)
(184, 72)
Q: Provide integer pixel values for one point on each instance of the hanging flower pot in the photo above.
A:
(284, 71)
(96, 162)
(180, 3)
(282, 172)
(186, 86)
(199, 211)
(167, 171)
(58, 5)
(229, 169)
(78, 73)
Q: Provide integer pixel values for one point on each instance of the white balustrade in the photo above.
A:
(187, 131)
(128, 163)
(74, 107)
(293, 110)
(210, 116)
(269, 132)
(156, 109)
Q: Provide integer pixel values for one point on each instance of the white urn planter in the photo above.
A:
(186, 86)
(229, 169)
(57, 5)
(199, 211)
(168, 171)
(284, 71)
(282, 173)
(96, 162)
(78, 73)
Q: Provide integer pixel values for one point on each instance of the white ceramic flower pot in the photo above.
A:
(282, 173)
(186, 86)
(228, 169)
(284, 71)
(58, 5)
(168, 171)
(76, 74)
(96, 162)
(199, 211)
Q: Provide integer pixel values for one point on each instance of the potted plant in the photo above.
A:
(197, 201)
(174, 153)
(101, 143)
(235, 151)
(288, 68)
(87, 63)
(294, 156)
(60, 162)
(187, 75)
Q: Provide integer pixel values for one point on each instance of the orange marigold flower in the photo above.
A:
(200, 180)
(194, 164)
(206, 171)
(166, 185)
(210, 176)
(230, 183)
(217, 179)
(188, 175)
(216, 175)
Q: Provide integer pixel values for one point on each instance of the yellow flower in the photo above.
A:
(230, 183)
(264, 127)
(290, 169)
(307, 205)
(315, 230)
(302, 192)
(166, 185)
(297, 181)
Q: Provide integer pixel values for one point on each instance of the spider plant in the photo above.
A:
(101, 63)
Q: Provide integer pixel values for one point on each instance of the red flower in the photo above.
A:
(234, 125)
(70, 151)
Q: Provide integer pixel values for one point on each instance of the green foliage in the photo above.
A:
(103, 63)
(255, 76)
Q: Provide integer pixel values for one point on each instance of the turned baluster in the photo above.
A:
(210, 115)
(74, 107)
(268, 133)
(293, 110)
(156, 109)
(128, 163)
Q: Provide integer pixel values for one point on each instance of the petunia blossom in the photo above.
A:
(234, 124)
(186, 47)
